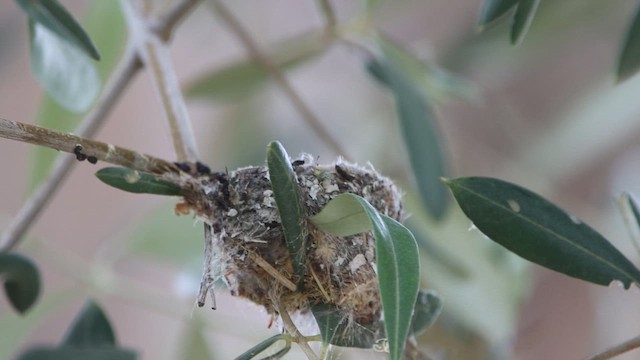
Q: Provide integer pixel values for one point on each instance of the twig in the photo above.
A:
(84, 148)
(154, 54)
(295, 333)
(283, 280)
(35, 204)
(254, 51)
(329, 15)
(618, 349)
(119, 80)
(166, 23)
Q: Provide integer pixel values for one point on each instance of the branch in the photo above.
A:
(254, 51)
(295, 333)
(154, 54)
(117, 83)
(84, 149)
(618, 349)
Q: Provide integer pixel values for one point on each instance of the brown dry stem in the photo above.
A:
(622, 348)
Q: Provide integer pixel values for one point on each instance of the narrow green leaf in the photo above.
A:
(289, 203)
(241, 78)
(337, 329)
(493, 9)
(261, 347)
(525, 11)
(73, 353)
(423, 143)
(436, 83)
(537, 230)
(631, 215)
(629, 59)
(68, 75)
(105, 23)
(342, 217)
(54, 17)
(427, 309)
(398, 269)
(137, 182)
(90, 329)
(21, 281)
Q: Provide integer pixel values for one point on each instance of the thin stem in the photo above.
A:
(618, 349)
(84, 148)
(329, 14)
(261, 58)
(295, 333)
(33, 206)
(117, 83)
(165, 24)
(154, 54)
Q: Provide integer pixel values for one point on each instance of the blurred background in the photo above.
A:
(546, 114)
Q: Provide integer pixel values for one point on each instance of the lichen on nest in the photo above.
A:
(250, 253)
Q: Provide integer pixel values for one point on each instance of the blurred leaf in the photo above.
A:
(54, 17)
(493, 9)
(105, 23)
(194, 345)
(426, 311)
(22, 325)
(436, 83)
(137, 182)
(525, 11)
(90, 329)
(631, 215)
(286, 194)
(398, 268)
(336, 328)
(629, 59)
(66, 73)
(21, 281)
(256, 350)
(73, 353)
(421, 138)
(241, 78)
(538, 231)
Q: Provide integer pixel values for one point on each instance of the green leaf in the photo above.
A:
(493, 9)
(241, 78)
(426, 311)
(256, 350)
(68, 75)
(289, 203)
(90, 329)
(105, 23)
(423, 144)
(54, 17)
(525, 12)
(337, 329)
(73, 353)
(398, 269)
(137, 182)
(436, 83)
(629, 59)
(631, 215)
(342, 217)
(21, 281)
(537, 230)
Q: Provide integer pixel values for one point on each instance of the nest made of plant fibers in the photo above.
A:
(249, 249)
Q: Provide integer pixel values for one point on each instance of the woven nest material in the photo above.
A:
(248, 247)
